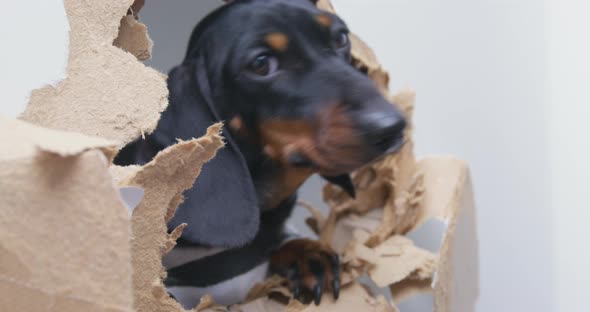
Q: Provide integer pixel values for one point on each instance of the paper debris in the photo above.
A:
(119, 173)
(449, 195)
(402, 209)
(164, 180)
(409, 288)
(26, 139)
(260, 305)
(398, 258)
(354, 298)
(295, 306)
(107, 92)
(317, 219)
(207, 304)
(133, 37)
(273, 285)
(446, 195)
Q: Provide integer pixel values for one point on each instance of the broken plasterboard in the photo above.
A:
(106, 92)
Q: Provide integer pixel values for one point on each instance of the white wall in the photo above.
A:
(569, 74)
(34, 36)
(480, 72)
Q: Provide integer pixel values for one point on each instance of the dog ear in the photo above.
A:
(221, 209)
(345, 182)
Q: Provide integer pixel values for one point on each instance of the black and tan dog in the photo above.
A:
(278, 73)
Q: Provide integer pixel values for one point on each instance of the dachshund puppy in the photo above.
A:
(279, 74)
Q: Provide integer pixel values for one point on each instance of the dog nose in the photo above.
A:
(384, 131)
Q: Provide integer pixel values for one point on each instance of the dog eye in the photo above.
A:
(341, 40)
(264, 65)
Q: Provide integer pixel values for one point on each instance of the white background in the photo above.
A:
(502, 84)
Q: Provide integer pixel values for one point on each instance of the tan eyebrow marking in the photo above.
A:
(236, 123)
(324, 19)
(277, 41)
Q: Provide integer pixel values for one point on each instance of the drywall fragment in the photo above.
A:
(107, 92)
(64, 232)
(133, 37)
(164, 180)
(317, 216)
(174, 235)
(295, 306)
(353, 298)
(356, 251)
(366, 61)
(398, 259)
(260, 305)
(26, 139)
(207, 304)
(120, 173)
(273, 285)
(364, 55)
(409, 288)
(449, 196)
(446, 195)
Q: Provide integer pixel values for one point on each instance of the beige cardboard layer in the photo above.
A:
(133, 38)
(64, 233)
(457, 279)
(66, 237)
(164, 179)
(107, 92)
(409, 270)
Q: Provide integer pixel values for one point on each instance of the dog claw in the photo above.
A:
(297, 292)
(336, 288)
(335, 262)
(317, 293)
(296, 279)
(318, 270)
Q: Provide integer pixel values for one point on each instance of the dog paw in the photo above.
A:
(311, 267)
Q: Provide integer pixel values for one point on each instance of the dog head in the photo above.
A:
(283, 75)
(279, 73)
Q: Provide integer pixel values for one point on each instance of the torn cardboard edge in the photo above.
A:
(164, 179)
(447, 197)
(23, 139)
(60, 208)
(106, 92)
(133, 38)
